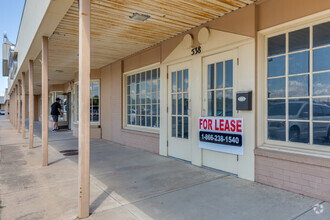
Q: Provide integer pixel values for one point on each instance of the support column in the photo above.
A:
(23, 105)
(19, 107)
(11, 108)
(84, 108)
(31, 107)
(44, 101)
(16, 104)
(12, 101)
(7, 109)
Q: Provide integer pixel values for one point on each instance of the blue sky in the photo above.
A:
(10, 18)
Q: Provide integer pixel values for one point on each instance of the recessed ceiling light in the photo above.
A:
(59, 71)
(139, 17)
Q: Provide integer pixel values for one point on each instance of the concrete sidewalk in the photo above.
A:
(128, 183)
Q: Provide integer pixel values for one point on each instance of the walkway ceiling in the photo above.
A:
(114, 35)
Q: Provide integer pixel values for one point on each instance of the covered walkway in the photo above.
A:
(128, 183)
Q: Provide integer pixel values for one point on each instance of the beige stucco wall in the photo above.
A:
(112, 85)
(275, 12)
(37, 107)
(26, 106)
(95, 131)
(111, 112)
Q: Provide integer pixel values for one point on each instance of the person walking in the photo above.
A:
(55, 112)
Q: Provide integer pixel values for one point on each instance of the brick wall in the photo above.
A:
(306, 175)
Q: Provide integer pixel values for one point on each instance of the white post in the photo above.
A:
(84, 106)
(45, 101)
(19, 107)
(31, 104)
(23, 104)
(16, 104)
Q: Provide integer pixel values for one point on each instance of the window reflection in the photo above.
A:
(299, 132)
(210, 84)
(276, 45)
(299, 39)
(179, 127)
(219, 105)
(299, 63)
(186, 128)
(276, 109)
(321, 34)
(229, 73)
(276, 88)
(299, 86)
(185, 104)
(210, 103)
(290, 95)
(321, 84)
(219, 75)
(321, 133)
(299, 109)
(173, 126)
(179, 81)
(173, 81)
(220, 92)
(142, 91)
(276, 130)
(229, 102)
(321, 59)
(321, 109)
(276, 66)
(186, 80)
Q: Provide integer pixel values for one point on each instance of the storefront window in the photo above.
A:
(142, 99)
(298, 91)
(180, 103)
(220, 89)
(94, 102)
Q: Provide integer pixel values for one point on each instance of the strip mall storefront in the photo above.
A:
(167, 88)
(246, 93)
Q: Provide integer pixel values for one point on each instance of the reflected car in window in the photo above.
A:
(299, 126)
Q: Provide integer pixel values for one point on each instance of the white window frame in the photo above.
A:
(137, 127)
(213, 59)
(263, 36)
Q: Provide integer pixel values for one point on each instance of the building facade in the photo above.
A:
(150, 94)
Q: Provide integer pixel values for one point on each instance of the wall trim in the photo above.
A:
(293, 157)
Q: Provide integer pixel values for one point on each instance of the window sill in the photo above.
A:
(305, 156)
(91, 124)
(141, 131)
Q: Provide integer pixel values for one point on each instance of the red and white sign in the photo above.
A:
(221, 134)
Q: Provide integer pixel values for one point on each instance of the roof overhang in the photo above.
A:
(114, 35)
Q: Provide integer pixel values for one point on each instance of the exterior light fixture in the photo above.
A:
(59, 71)
(139, 17)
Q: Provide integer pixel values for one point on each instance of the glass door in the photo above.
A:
(179, 145)
(219, 80)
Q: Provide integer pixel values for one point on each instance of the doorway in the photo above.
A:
(179, 112)
(219, 83)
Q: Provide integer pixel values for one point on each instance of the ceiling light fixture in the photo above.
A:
(139, 17)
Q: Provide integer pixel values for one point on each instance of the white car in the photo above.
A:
(299, 130)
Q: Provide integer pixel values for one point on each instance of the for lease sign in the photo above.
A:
(221, 134)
